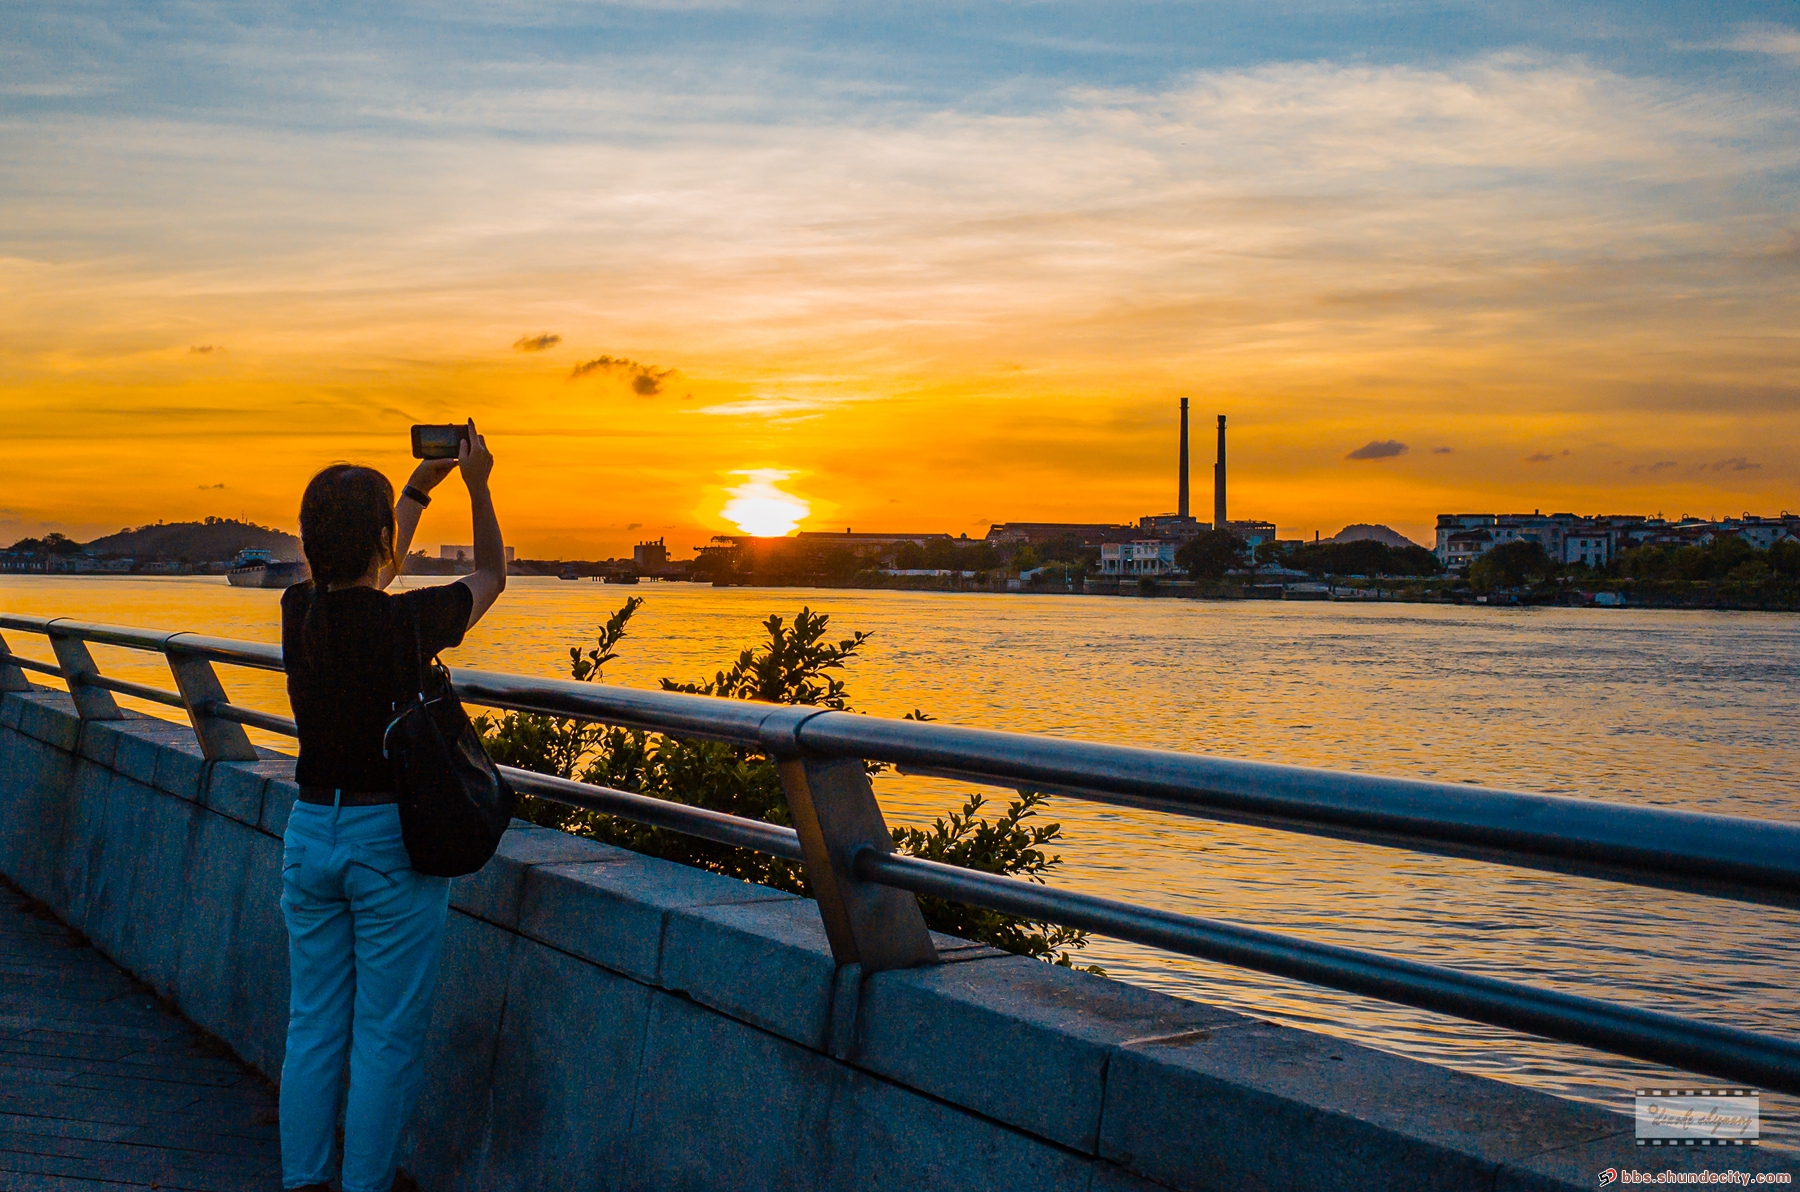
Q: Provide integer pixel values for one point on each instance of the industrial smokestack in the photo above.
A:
(1181, 503)
(1219, 480)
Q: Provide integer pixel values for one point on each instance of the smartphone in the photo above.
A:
(439, 442)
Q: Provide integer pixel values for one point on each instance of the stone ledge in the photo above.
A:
(139, 752)
(278, 801)
(181, 767)
(766, 963)
(1261, 1104)
(47, 716)
(493, 893)
(1047, 1035)
(613, 911)
(237, 789)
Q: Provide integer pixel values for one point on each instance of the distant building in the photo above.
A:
(650, 556)
(1764, 532)
(1569, 538)
(1148, 557)
(1040, 533)
(847, 538)
(465, 554)
(1254, 533)
(1177, 526)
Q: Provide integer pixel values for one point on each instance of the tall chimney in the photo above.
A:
(1181, 503)
(1219, 480)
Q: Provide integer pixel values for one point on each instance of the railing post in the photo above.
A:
(220, 740)
(836, 816)
(91, 703)
(11, 677)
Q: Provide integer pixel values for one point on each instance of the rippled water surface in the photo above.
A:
(1678, 709)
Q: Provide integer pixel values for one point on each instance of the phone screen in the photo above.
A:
(438, 442)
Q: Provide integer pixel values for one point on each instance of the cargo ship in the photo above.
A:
(257, 568)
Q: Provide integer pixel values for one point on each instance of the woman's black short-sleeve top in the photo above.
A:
(341, 679)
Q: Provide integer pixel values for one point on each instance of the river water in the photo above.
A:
(1678, 709)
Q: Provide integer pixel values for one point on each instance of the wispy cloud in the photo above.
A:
(1736, 463)
(1379, 449)
(767, 407)
(644, 380)
(1652, 469)
(536, 343)
(1758, 38)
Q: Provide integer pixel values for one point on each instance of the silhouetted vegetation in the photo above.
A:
(215, 540)
(1512, 565)
(820, 560)
(1727, 558)
(1365, 557)
(791, 664)
(1212, 554)
(950, 555)
(49, 544)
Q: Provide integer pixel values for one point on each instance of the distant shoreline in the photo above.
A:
(1700, 598)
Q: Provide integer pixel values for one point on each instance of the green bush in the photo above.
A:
(792, 664)
(1784, 558)
(1511, 565)
(1364, 557)
(1212, 554)
(1728, 557)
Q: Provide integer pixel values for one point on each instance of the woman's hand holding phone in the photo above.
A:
(474, 459)
(430, 473)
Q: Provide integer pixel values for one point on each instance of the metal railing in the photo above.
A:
(865, 891)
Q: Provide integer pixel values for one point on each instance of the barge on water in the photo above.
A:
(258, 568)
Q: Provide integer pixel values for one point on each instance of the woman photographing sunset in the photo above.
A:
(365, 929)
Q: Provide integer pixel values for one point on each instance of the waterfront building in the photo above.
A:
(1763, 532)
(1177, 527)
(650, 556)
(1254, 533)
(1569, 538)
(1088, 534)
(1145, 557)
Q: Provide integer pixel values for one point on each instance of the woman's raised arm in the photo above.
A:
(489, 577)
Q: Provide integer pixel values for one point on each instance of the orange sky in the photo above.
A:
(1561, 286)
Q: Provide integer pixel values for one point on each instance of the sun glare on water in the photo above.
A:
(758, 507)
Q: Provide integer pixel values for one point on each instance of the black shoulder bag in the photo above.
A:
(454, 805)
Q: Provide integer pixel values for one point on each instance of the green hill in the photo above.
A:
(217, 539)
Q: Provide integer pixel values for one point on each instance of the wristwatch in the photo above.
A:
(407, 490)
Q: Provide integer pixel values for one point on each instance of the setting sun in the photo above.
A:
(758, 507)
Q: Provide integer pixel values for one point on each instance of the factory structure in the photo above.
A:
(1146, 549)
